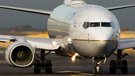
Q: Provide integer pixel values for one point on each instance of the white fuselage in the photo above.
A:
(76, 22)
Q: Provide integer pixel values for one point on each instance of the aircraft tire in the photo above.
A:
(100, 70)
(124, 67)
(48, 68)
(37, 67)
(94, 70)
(113, 67)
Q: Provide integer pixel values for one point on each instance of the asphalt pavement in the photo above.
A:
(63, 66)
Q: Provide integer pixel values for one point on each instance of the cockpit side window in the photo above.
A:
(84, 25)
(87, 25)
(113, 25)
(95, 24)
(105, 24)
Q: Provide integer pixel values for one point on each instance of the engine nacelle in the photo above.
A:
(20, 54)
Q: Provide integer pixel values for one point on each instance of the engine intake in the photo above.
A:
(20, 54)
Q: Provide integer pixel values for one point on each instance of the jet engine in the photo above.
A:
(20, 54)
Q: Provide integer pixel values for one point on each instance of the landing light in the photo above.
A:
(54, 42)
(74, 57)
(69, 40)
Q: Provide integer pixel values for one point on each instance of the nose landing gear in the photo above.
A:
(98, 69)
(43, 63)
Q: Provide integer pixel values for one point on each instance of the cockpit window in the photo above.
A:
(95, 24)
(113, 25)
(85, 25)
(88, 24)
(105, 24)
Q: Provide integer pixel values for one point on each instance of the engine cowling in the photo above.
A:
(20, 54)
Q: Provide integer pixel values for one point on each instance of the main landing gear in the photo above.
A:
(119, 63)
(43, 63)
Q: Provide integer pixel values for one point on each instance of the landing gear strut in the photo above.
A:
(119, 63)
(98, 69)
(43, 63)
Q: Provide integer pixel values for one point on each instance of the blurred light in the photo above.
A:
(69, 40)
(54, 42)
(74, 57)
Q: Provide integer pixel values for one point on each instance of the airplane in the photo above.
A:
(77, 30)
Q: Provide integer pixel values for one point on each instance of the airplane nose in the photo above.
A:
(101, 34)
(100, 42)
(103, 39)
(106, 34)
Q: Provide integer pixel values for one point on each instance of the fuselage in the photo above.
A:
(94, 31)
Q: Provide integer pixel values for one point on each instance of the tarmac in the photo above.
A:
(63, 66)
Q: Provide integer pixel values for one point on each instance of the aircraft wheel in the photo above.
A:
(37, 67)
(94, 70)
(100, 70)
(113, 67)
(124, 67)
(48, 68)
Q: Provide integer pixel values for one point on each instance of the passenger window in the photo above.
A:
(94, 24)
(106, 24)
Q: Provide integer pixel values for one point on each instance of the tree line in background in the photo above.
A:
(23, 26)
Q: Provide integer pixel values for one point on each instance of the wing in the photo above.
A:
(41, 43)
(44, 12)
(120, 7)
(126, 43)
